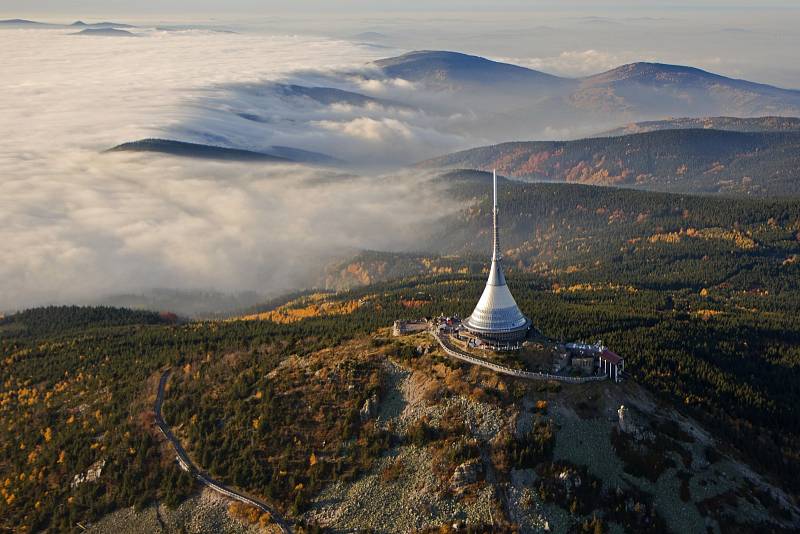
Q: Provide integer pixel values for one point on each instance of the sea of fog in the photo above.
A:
(77, 225)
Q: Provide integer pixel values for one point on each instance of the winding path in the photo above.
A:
(188, 466)
(455, 352)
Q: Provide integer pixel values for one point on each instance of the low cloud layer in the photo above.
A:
(363, 130)
(77, 225)
(576, 63)
(96, 225)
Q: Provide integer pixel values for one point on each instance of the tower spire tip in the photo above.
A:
(494, 181)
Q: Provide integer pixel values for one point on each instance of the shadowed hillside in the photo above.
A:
(105, 32)
(686, 161)
(193, 150)
(196, 150)
(571, 234)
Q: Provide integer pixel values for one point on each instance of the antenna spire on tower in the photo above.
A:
(494, 178)
(496, 233)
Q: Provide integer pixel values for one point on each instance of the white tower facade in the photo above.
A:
(497, 316)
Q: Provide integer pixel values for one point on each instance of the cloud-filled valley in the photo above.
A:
(92, 226)
(79, 224)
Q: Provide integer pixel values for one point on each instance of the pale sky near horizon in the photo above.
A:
(237, 9)
(751, 40)
(126, 6)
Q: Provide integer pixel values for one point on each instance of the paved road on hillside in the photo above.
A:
(200, 476)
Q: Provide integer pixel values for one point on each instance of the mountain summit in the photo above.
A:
(441, 67)
(676, 89)
(636, 91)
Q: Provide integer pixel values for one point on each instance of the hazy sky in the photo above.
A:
(233, 6)
(754, 40)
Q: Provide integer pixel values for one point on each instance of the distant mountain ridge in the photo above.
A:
(685, 161)
(22, 22)
(331, 95)
(202, 151)
(461, 100)
(677, 89)
(80, 23)
(736, 124)
(636, 91)
(454, 68)
(105, 32)
(194, 150)
(76, 24)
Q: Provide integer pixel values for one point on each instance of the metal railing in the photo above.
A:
(530, 375)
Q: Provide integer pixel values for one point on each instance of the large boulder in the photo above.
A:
(465, 474)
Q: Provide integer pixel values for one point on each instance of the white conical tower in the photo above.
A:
(497, 316)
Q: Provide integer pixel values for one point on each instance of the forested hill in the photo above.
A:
(193, 150)
(574, 234)
(683, 161)
(736, 124)
(537, 212)
(50, 319)
(271, 404)
(698, 293)
(183, 149)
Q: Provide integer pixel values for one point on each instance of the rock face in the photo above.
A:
(92, 474)
(570, 479)
(629, 425)
(204, 513)
(622, 413)
(465, 474)
(370, 408)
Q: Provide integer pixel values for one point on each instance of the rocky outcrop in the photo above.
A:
(370, 408)
(570, 479)
(204, 513)
(92, 474)
(465, 474)
(630, 424)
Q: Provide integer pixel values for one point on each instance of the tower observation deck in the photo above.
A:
(497, 317)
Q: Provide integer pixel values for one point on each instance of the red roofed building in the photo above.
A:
(612, 364)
